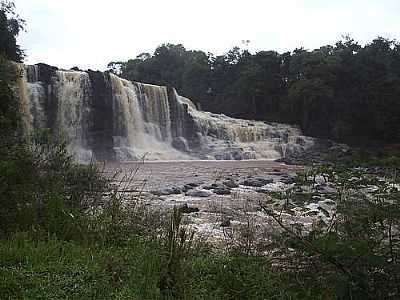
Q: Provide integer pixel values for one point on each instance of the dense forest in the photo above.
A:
(346, 92)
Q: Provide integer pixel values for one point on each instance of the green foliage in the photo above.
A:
(56, 269)
(9, 108)
(178, 246)
(234, 277)
(355, 255)
(345, 92)
(50, 270)
(171, 65)
(10, 26)
(43, 190)
(63, 270)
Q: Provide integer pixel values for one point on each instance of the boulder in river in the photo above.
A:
(225, 223)
(199, 193)
(230, 184)
(167, 191)
(257, 182)
(288, 179)
(222, 191)
(186, 209)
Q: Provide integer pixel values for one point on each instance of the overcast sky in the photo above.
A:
(91, 33)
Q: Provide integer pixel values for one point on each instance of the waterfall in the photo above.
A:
(24, 96)
(156, 112)
(73, 93)
(142, 125)
(128, 120)
(32, 97)
(106, 117)
(36, 96)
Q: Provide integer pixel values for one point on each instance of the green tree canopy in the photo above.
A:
(10, 26)
(344, 91)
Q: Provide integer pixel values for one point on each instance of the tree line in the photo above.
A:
(346, 92)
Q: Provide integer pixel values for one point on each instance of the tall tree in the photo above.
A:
(345, 91)
(10, 26)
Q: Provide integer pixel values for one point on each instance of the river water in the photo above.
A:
(154, 175)
(153, 180)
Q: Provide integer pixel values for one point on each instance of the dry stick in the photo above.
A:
(391, 242)
(331, 223)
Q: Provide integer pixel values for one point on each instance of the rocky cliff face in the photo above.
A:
(105, 117)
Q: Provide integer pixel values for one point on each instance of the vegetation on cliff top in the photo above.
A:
(345, 91)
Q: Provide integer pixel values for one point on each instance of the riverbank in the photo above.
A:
(348, 246)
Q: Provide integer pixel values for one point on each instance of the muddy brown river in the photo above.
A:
(154, 175)
(222, 196)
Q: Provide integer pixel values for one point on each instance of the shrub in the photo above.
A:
(356, 254)
(43, 190)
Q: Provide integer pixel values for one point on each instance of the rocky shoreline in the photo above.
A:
(323, 152)
(220, 198)
(219, 206)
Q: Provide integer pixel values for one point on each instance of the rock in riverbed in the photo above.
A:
(231, 184)
(222, 191)
(189, 186)
(185, 209)
(288, 179)
(225, 223)
(167, 191)
(257, 182)
(199, 193)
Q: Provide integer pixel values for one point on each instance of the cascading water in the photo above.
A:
(128, 122)
(141, 117)
(155, 107)
(73, 109)
(109, 118)
(25, 97)
(229, 138)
